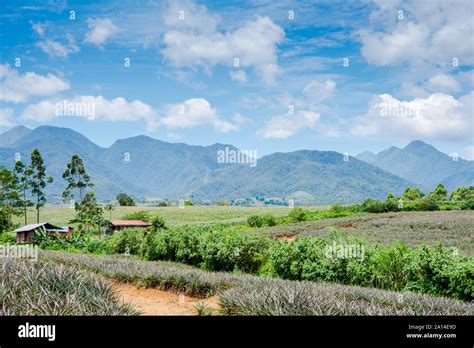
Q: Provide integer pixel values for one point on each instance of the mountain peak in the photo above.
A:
(419, 145)
(11, 136)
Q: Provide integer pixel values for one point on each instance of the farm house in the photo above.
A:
(118, 225)
(26, 234)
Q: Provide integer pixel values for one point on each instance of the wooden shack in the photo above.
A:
(26, 234)
(118, 225)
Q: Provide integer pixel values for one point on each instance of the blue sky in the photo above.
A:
(347, 76)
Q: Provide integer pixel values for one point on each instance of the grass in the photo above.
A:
(450, 228)
(252, 295)
(46, 288)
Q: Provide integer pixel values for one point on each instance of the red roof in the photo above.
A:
(130, 223)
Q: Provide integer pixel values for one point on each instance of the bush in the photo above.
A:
(255, 221)
(7, 238)
(468, 205)
(435, 271)
(269, 220)
(158, 222)
(207, 248)
(426, 204)
(373, 206)
(259, 221)
(439, 271)
(127, 240)
(298, 215)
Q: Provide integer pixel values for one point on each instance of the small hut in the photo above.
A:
(118, 225)
(26, 234)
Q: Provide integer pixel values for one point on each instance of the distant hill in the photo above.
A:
(148, 167)
(424, 165)
(10, 137)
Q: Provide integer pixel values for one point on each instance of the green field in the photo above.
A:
(174, 216)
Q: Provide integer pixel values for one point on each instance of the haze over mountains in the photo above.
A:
(424, 165)
(147, 167)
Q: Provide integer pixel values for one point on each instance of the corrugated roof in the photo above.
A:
(29, 227)
(32, 227)
(130, 223)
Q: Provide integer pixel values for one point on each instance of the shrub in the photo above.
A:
(468, 205)
(127, 240)
(158, 222)
(269, 220)
(373, 206)
(426, 204)
(255, 221)
(298, 214)
(7, 238)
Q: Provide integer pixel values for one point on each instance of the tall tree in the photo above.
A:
(77, 178)
(23, 175)
(9, 197)
(38, 180)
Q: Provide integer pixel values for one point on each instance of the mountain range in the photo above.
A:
(146, 167)
(423, 165)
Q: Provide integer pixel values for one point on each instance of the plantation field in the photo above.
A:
(174, 216)
(242, 294)
(450, 228)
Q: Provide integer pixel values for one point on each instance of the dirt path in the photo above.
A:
(159, 302)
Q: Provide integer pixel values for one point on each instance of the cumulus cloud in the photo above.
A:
(253, 45)
(283, 126)
(438, 116)
(16, 87)
(443, 83)
(6, 117)
(429, 33)
(56, 49)
(100, 30)
(93, 108)
(195, 112)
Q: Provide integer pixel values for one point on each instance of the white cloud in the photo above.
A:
(15, 87)
(100, 30)
(238, 75)
(254, 45)
(431, 32)
(443, 83)
(193, 113)
(439, 117)
(57, 49)
(190, 16)
(117, 109)
(283, 126)
(6, 117)
(318, 91)
(469, 151)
